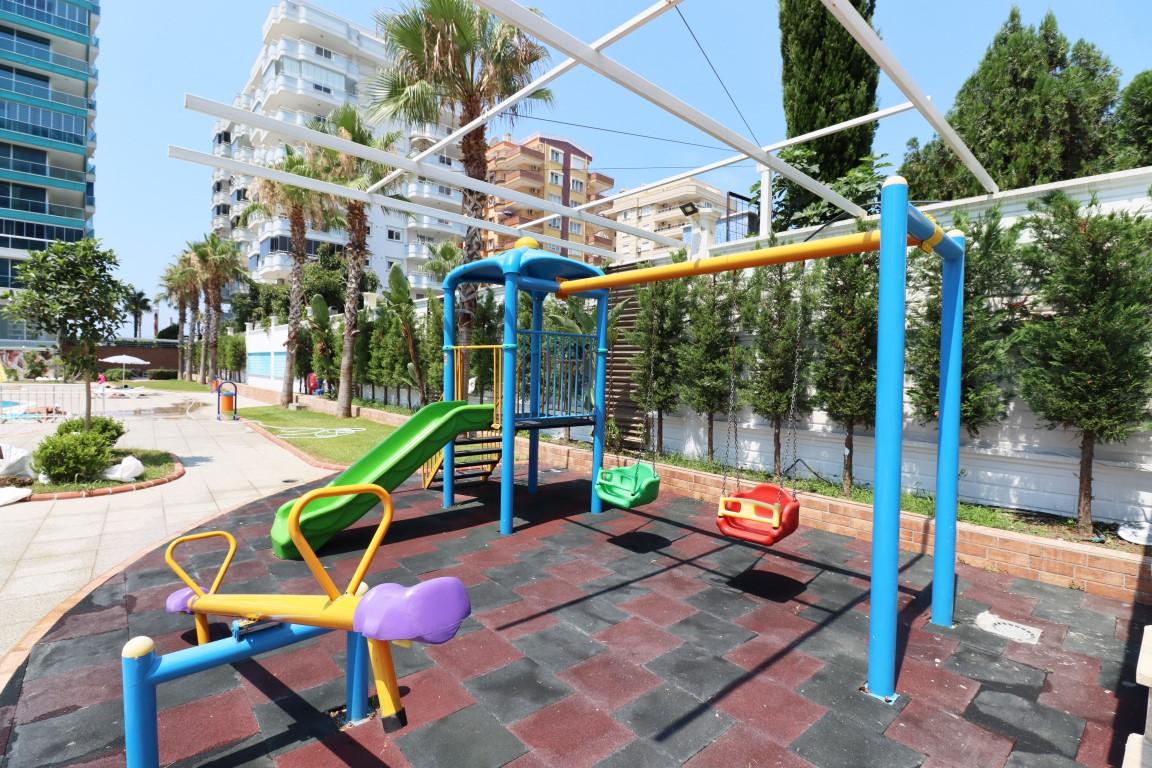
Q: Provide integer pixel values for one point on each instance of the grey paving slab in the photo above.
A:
(558, 647)
(837, 741)
(677, 725)
(516, 690)
(470, 737)
(1044, 729)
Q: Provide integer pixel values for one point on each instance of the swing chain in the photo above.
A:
(793, 439)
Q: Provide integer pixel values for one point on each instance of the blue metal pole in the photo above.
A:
(534, 393)
(889, 435)
(599, 409)
(948, 446)
(356, 677)
(449, 464)
(508, 423)
(141, 742)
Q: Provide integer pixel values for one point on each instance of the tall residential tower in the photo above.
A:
(47, 80)
(311, 62)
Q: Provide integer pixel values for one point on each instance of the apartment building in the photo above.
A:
(550, 168)
(312, 62)
(658, 210)
(47, 111)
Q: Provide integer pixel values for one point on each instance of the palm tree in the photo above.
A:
(137, 303)
(174, 290)
(443, 258)
(448, 55)
(357, 173)
(219, 263)
(302, 207)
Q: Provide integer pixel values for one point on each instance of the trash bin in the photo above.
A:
(227, 402)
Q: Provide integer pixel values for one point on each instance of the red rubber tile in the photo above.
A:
(777, 622)
(518, 619)
(430, 695)
(768, 658)
(1075, 666)
(578, 571)
(758, 701)
(365, 744)
(296, 669)
(679, 582)
(60, 694)
(91, 623)
(929, 648)
(659, 609)
(695, 545)
(489, 558)
(746, 746)
(1100, 746)
(927, 729)
(551, 591)
(469, 574)
(1090, 702)
(474, 653)
(638, 640)
(573, 732)
(204, 725)
(610, 680)
(932, 684)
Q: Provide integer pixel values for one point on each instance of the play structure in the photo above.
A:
(429, 612)
(554, 380)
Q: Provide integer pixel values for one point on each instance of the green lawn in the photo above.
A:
(336, 448)
(166, 385)
(157, 464)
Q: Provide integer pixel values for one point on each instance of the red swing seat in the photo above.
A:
(762, 515)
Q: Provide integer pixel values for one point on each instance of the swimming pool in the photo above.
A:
(8, 403)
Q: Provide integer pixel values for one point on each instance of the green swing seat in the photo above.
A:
(628, 487)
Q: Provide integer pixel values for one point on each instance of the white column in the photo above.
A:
(765, 202)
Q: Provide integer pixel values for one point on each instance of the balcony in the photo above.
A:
(219, 223)
(442, 226)
(523, 180)
(33, 129)
(38, 206)
(41, 169)
(273, 266)
(427, 132)
(503, 155)
(423, 280)
(46, 55)
(26, 9)
(12, 85)
(436, 194)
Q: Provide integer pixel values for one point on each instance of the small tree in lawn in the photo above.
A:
(387, 359)
(845, 369)
(325, 360)
(1087, 348)
(991, 301)
(398, 298)
(488, 330)
(658, 334)
(778, 310)
(71, 288)
(432, 348)
(710, 356)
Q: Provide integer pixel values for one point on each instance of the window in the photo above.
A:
(323, 52)
(576, 227)
(554, 223)
(556, 156)
(646, 210)
(577, 185)
(444, 160)
(579, 163)
(555, 198)
(555, 177)
(46, 123)
(444, 189)
(321, 88)
(394, 235)
(321, 77)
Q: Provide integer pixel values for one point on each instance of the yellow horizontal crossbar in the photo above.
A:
(842, 245)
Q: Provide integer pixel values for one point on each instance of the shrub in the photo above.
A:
(72, 457)
(160, 374)
(109, 430)
(116, 374)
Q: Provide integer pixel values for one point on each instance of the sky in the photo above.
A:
(152, 53)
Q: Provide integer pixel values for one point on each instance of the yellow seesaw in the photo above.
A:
(430, 612)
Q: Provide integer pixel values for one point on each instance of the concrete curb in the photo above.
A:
(176, 473)
(304, 457)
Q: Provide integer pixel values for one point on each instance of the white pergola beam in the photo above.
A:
(369, 198)
(615, 35)
(329, 141)
(804, 137)
(618, 73)
(852, 21)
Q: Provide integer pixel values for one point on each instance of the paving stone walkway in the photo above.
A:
(626, 640)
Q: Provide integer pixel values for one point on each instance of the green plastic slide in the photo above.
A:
(387, 465)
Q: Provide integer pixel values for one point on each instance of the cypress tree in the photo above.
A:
(658, 333)
(991, 291)
(432, 348)
(1134, 123)
(1087, 348)
(710, 355)
(1037, 109)
(828, 78)
(778, 311)
(845, 368)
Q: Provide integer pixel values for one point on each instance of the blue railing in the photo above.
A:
(566, 371)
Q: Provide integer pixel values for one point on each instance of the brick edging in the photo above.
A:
(176, 473)
(298, 453)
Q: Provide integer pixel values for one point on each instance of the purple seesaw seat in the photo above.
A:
(430, 612)
(177, 602)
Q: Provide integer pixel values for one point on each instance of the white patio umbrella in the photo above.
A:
(123, 361)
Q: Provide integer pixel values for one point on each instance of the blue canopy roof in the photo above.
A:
(528, 262)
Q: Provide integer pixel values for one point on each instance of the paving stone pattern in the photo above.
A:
(634, 638)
